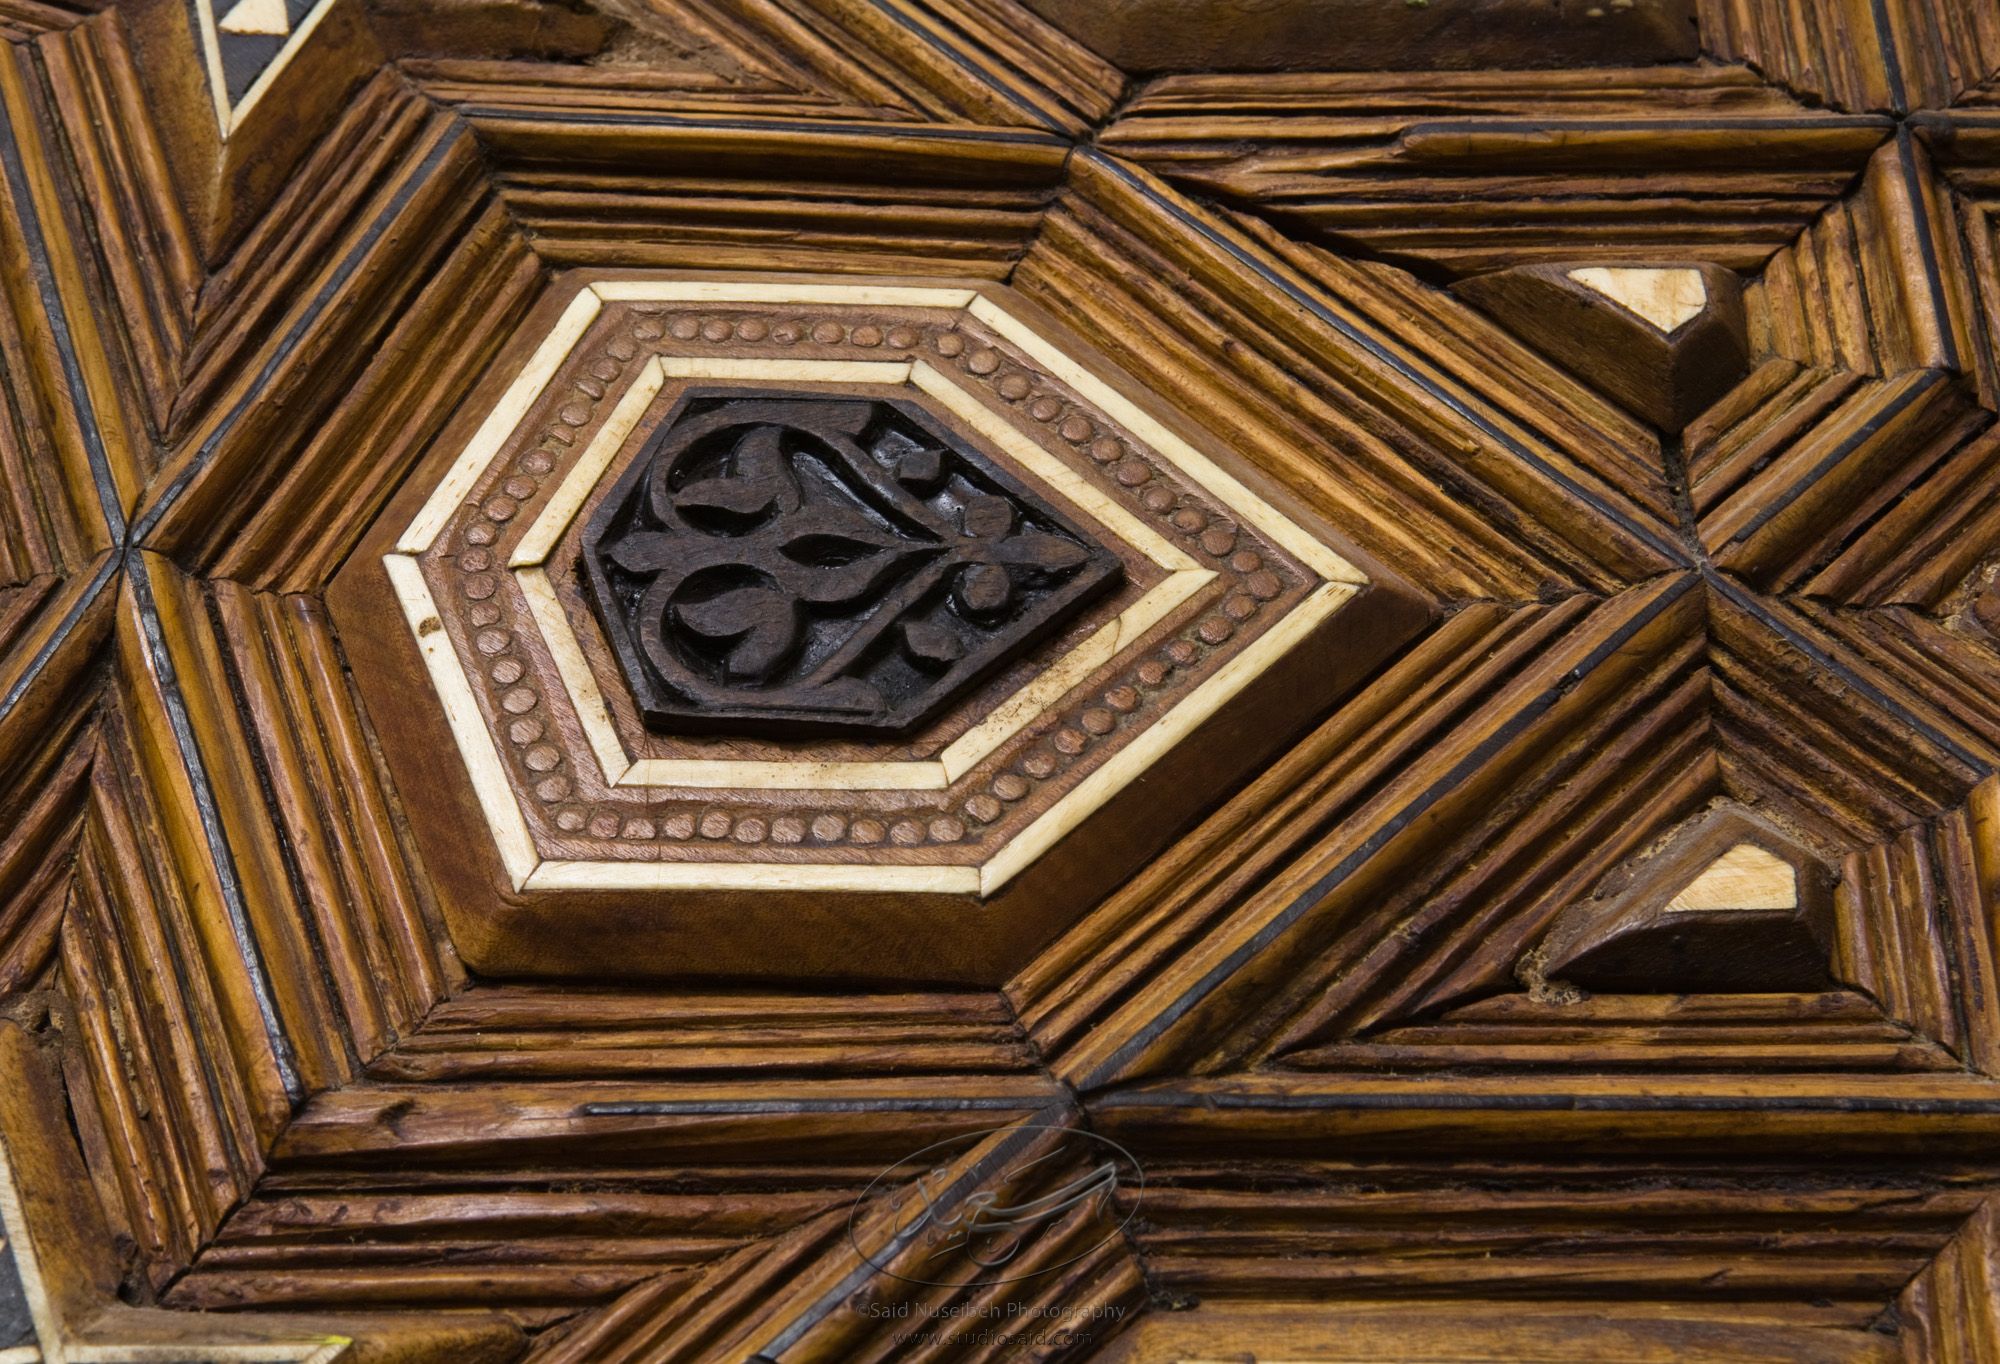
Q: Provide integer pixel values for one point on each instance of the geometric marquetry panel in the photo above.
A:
(921, 723)
(819, 681)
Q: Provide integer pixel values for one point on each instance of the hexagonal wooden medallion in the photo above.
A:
(1036, 588)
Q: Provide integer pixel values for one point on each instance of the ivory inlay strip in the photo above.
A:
(1164, 733)
(1172, 448)
(468, 726)
(499, 424)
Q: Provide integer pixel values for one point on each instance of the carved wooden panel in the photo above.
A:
(873, 680)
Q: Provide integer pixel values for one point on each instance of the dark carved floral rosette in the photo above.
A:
(1182, 587)
(810, 565)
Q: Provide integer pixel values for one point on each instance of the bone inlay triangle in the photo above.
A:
(1668, 299)
(1745, 877)
(257, 16)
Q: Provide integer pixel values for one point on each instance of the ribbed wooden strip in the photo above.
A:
(142, 236)
(316, 353)
(1950, 1313)
(596, 1123)
(1411, 461)
(668, 1320)
(516, 1033)
(1966, 849)
(1879, 283)
(331, 887)
(1913, 754)
(1775, 407)
(1049, 70)
(24, 20)
(1825, 48)
(1930, 533)
(426, 968)
(1362, 482)
(1443, 936)
(1819, 496)
(531, 1294)
(480, 87)
(180, 1129)
(1778, 1050)
(1948, 54)
(1619, 456)
(299, 239)
(736, 195)
(270, 930)
(144, 1182)
(355, 455)
(1923, 1119)
(1079, 980)
(55, 507)
(1439, 169)
(995, 63)
(1271, 928)
(36, 857)
(1899, 896)
(1946, 664)
(1423, 935)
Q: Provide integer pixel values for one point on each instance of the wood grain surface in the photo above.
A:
(1579, 945)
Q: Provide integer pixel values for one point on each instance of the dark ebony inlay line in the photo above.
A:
(226, 874)
(105, 572)
(1437, 791)
(1797, 487)
(349, 263)
(1665, 547)
(963, 59)
(58, 319)
(675, 1108)
(1404, 1101)
(1926, 245)
(1749, 602)
(828, 128)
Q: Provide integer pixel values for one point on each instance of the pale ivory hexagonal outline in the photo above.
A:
(1184, 577)
(525, 867)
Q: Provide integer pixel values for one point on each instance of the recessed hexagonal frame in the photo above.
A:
(1117, 731)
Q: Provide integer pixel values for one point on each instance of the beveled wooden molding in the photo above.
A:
(256, 1091)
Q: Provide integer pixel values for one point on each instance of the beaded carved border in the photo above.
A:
(1233, 585)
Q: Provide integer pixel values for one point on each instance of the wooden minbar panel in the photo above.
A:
(818, 680)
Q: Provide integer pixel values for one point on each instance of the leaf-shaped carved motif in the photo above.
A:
(644, 552)
(764, 621)
(844, 583)
(734, 613)
(987, 517)
(831, 536)
(984, 589)
(764, 648)
(1036, 550)
(728, 499)
(931, 644)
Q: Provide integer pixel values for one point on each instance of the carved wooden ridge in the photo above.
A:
(832, 680)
